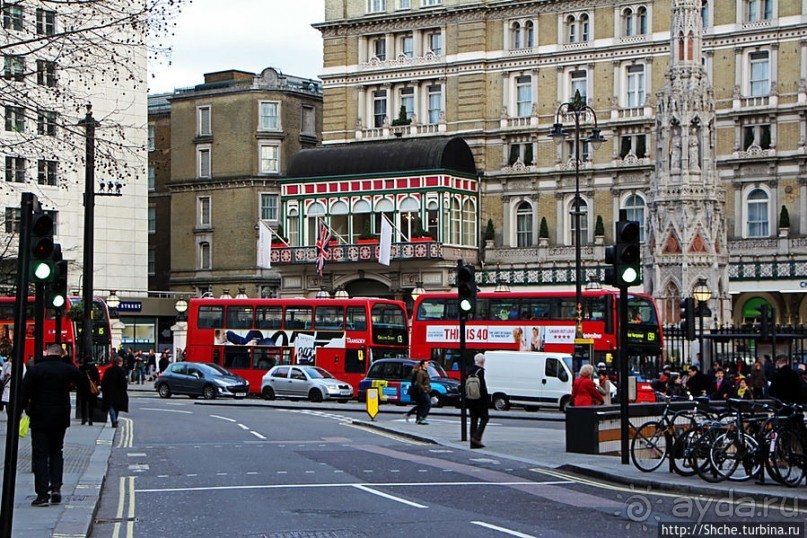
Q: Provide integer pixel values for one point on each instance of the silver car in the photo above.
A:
(309, 382)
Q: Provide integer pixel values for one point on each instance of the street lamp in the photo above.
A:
(502, 286)
(702, 294)
(225, 294)
(181, 307)
(323, 293)
(242, 294)
(113, 301)
(341, 293)
(418, 291)
(577, 107)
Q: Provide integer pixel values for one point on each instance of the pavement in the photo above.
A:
(537, 438)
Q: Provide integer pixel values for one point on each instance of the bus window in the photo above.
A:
(236, 357)
(298, 317)
(431, 309)
(641, 311)
(567, 308)
(595, 308)
(537, 307)
(239, 317)
(217, 356)
(265, 358)
(268, 317)
(356, 318)
(387, 315)
(354, 361)
(504, 309)
(211, 317)
(329, 318)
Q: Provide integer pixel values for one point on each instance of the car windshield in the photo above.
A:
(435, 370)
(214, 369)
(318, 373)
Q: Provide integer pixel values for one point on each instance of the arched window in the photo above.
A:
(410, 218)
(681, 46)
(627, 21)
(529, 34)
(468, 224)
(634, 205)
(362, 213)
(382, 208)
(204, 256)
(456, 221)
(433, 219)
(339, 221)
(571, 29)
(705, 13)
(641, 16)
(584, 28)
(758, 213)
(516, 35)
(315, 216)
(524, 224)
(583, 209)
(293, 231)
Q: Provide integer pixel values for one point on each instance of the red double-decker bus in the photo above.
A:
(536, 321)
(249, 336)
(70, 328)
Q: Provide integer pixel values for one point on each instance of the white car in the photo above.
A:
(300, 381)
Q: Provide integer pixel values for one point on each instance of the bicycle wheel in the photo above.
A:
(785, 462)
(701, 457)
(748, 464)
(648, 448)
(681, 452)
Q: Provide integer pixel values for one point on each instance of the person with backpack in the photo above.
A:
(413, 392)
(477, 398)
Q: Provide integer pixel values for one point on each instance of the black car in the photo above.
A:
(203, 379)
(393, 376)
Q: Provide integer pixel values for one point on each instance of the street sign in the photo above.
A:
(372, 403)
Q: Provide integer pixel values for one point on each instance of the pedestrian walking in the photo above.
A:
(164, 361)
(414, 391)
(423, 381)
(139, 368)
(786, 383)
(697, 383)
(756, 380)
(604, 385)
(87, 401)
(5, 377)
(584, 392)
(46, 396)
(151, 365)
(478, 407)
(114, 390)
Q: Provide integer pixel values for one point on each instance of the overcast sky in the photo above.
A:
(250, 35)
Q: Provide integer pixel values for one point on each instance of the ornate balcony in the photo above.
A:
(342, 253)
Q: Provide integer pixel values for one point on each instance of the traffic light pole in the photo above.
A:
(89, 125)
(39, 321)
(463, 378)
(623, 374)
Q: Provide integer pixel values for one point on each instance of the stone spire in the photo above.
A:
(686, 229)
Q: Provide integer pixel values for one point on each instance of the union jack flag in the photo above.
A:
(322, 247)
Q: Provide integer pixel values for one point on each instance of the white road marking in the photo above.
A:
(221, 474)
(162, 476)
(166, 410)
(223, 418)
(193, 474)
(390, 497)
(502, 529)
(252, 472)
(136, 454)
(256, 434)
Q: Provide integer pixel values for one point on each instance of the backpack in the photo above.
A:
(473, 387)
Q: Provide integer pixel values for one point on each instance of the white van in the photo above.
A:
(528, 378)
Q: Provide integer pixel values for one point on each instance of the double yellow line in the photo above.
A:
(126, 493)
(126, 437)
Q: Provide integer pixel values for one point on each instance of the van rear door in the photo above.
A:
(555, 382)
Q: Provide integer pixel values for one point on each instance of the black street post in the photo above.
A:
(89, 125)
(577, 107)
(463, 372)
(702, 294)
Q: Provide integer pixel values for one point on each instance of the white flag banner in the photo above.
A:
(264, 246)
(385, 247)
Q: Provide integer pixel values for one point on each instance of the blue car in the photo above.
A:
(393, 376)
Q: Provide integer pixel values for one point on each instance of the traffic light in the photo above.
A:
(765, 328)
(688, 317)
(466, 290)
(626, 255)
(56, 296)
(42, 264)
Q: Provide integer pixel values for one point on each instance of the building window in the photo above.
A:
(151, 138)
(635, 144)
(270, 163)
(13, 216)
(151, 185)
(45, 22)
(408, 101)
(433, 219)
(15, 169)
(204, 255)
(293, 229)
(758, 10)
(583, 210)
(203, 209)
(269, 114)
(46, 122)
(468, 224)
(634, 21)
(269, 203)
(404, 4)
(578, 82)
(523, 96)
(379, 48)
(435, 103)
(427, 3)
(705, 13)
(577, 28)
(434, 42)
(760, 83)
(408, 46)
(585, 154)
(152, 219)
(635, 86)
(524, 225)
(14, 68)
(151, 262)
(634, 205)
(759, 135)
(15, 119)
(46, 73)
(376, 6)
(362, 215)
(309, 120)
(203, 162)
(47, 172)
(13, 17)
(522, 35)
(521, 152)
(456, 221)
(203, 121)
(379, 108)
(758, 209)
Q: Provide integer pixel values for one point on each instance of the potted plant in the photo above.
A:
(599, 231)
(367, 235)
(490, 234)
(420, 234)
(784, 222)
(276, 239)
(543, 233)
(402, 118)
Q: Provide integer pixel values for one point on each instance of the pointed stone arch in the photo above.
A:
(697, 245)
(672, 245)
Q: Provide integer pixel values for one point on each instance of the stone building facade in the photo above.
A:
(495, 73)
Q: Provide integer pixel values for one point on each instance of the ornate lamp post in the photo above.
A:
(702, 294)
(577, 107)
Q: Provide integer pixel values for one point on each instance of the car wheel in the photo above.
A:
(315, 395)
(164, 390)
(209, 392)
(437, 399)
(500, 402)
(268, 393)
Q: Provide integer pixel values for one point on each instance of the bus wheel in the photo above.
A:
(315, 396)
(164, 391)
(437, 399)
(209, 392)
(268, 393)
(500, 402)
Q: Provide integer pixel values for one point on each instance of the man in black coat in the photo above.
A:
(114, 390)
(697, 383)
(786, 383)
(479, 408)
(46, 397)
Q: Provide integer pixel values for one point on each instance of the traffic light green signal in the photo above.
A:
(42, 248)
(466, 290)
(57, 290)
(624, 257)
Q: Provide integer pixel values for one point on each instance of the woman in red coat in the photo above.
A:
(584, 392)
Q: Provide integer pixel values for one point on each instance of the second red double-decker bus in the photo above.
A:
(249, 336)
(535, 321)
